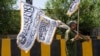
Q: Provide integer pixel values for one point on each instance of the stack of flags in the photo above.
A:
(34, 25)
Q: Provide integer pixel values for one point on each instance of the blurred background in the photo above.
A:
(89, 15)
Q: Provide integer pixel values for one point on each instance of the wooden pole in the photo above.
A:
(78, 19)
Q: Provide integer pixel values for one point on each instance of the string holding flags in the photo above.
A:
(73, 7)
(29, 25)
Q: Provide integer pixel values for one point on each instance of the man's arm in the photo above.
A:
(62, 25)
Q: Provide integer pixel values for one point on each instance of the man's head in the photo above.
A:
(73, 25)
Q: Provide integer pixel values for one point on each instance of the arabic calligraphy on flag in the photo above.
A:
(73, 7)
(46, 30)
(29, 25)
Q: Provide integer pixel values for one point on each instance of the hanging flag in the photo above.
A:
(29, 25)
(46, 30)
(73, 7)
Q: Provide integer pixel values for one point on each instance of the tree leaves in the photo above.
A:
(89, 13)
(8, 19)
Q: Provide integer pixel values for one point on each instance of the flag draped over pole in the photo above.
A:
(73, 7)
(29, 25)
(46, 29)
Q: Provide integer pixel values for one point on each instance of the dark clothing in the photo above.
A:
(71, 46)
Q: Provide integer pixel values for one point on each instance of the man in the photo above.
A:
(71, 38)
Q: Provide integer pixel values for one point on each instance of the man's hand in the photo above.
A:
(76, 37)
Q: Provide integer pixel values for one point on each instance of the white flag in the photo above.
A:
(46, 30)
(73, 7)
(29, 25)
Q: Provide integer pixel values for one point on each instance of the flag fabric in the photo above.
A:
(73, 7)
(29, 25)
(46, 30)
(34, 24)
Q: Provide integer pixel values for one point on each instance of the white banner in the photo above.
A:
(29, 25)
(46, 30)
(73, 7)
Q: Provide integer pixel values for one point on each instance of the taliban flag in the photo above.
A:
(46, 31)
(73, 7)
(29, 25)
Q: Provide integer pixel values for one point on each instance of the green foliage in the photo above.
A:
(89, 16)
(89, 13)
(56, 9)
(14, 23)
(9, 18)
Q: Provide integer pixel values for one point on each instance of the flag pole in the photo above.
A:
(78, 19)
